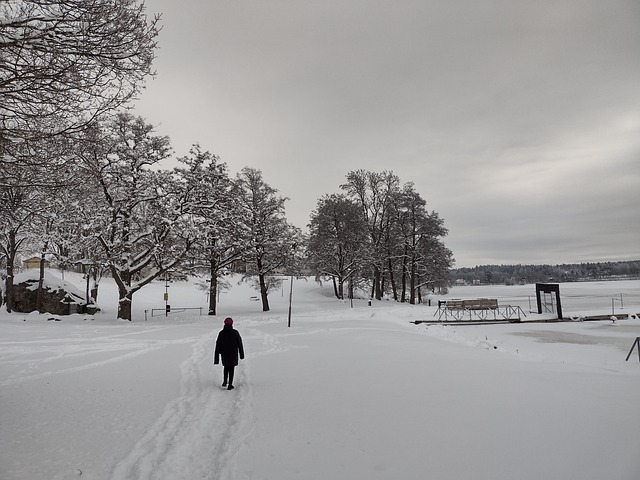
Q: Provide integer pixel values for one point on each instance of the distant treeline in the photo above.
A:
(523, 274)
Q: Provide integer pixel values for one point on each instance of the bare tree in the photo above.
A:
(16, 215)
(63, 63)
(434, 259)
(215, 213)
(425, 260)
(31, 202)
(338, 244)
(140, 219)
(270, 242)
(374, 193)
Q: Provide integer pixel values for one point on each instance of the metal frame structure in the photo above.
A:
(478, 310)
(549, 288)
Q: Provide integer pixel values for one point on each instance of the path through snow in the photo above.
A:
(345, 393)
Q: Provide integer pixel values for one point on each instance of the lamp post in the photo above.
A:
(166, 294)
(294, 246)
(290, 301)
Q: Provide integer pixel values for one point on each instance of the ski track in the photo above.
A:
(200, 433)
(132, 349)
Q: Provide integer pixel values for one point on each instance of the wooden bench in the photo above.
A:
(481, 304)
(476, 304)
(480, 308)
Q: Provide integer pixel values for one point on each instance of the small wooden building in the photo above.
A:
(34, 262)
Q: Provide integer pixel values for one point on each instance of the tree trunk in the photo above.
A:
(403, 296)
(124, 305)
(11, 258)
(94, 293)
(263, 293)
(9, 287)
(351, 289)
(40, 295)
(335, 287)
(377, 281)
(412, 281)
(93, 273)
(392, 279)
(213, 292)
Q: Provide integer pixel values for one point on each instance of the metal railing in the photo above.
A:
(166, 311)
(459, 313)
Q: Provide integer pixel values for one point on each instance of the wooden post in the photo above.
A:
(635, 344)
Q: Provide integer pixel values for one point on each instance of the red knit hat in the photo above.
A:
(228, 321)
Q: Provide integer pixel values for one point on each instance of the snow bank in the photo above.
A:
(50, 281)
(344, 393)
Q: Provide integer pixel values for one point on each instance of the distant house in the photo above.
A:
(34, 262)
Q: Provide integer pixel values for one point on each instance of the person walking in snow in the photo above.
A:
(228, 346)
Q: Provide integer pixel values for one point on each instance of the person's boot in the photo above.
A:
(230, 387)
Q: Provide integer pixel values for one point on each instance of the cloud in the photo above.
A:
(517, 121)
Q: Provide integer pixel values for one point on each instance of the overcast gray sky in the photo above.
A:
(518, 121)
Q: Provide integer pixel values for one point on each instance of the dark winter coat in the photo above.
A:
(228, 345)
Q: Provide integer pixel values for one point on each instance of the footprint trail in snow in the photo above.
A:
(196, 434)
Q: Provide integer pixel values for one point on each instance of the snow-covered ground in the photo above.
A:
(344, 393)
